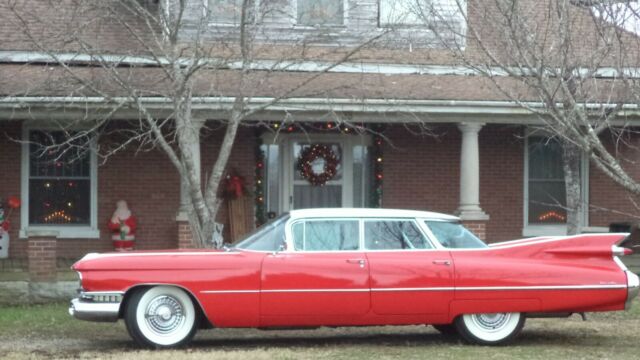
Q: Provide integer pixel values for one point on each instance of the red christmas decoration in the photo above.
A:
(13, 202)
(312, 154)
(234, 186)
(123, 227)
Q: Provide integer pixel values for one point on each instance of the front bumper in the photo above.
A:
(633, 288)
(103, 307)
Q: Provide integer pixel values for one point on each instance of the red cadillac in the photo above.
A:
(354, 267)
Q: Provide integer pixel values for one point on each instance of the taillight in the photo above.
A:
(620, 251)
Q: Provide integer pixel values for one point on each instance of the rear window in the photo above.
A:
(454, 236)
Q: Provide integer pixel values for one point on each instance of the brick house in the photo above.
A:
(472, 152)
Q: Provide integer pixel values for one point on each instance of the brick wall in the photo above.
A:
(420, 172)
(423, 173)
(608, 201)
(146, 180)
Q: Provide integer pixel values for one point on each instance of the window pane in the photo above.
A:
(327, 235)
(69, 160)
(454, 235)
(309, 196)
(547, 197)
(393, 235)
(320, 12)
(268, 237)
(272, 155)
(398, 12)
(545, 159)
(57, 202)
(361, 176)
(225, 11)
(547, 200)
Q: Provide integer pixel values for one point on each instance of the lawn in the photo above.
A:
(47, 331)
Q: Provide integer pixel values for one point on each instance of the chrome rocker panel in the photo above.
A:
(85, 307)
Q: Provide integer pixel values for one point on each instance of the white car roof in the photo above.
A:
(365, 212)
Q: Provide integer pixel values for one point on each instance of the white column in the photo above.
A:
(185, 198)
(469, 208)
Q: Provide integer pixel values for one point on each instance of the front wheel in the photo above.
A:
(161, 316)
(490, 329)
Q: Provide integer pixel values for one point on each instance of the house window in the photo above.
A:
(402, 12)
(545, 196)
(547, 199)
(59, 184)
(420, 12)
(320, 12)
(225, 11)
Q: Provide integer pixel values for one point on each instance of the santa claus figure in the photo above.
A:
(123, 225)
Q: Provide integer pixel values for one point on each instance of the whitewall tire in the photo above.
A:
(161, 316)
(490, 329)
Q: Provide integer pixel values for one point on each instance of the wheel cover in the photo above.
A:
(491, 322)
(492, 327)
(164, 314)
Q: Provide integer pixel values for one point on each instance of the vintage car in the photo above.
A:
(356, 267)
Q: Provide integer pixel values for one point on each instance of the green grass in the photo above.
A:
(47, 331)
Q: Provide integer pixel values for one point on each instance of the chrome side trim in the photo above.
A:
(313, 290)
(550, 287)
(92, 311)
(633, 288)
(414, 289)
(229, 291)
(443, 288)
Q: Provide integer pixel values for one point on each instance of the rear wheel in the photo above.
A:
(490, 329)
(161, 316)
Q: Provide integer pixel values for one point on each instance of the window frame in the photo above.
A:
(90, 231)
(552, 229)
(297, 25)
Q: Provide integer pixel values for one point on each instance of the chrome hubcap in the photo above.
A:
(164, 314)
(491, 322)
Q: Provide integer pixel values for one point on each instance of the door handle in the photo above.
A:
(360, 262)
(442, 262)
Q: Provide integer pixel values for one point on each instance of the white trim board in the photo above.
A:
(22, 57)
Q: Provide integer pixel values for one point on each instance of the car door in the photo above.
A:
(324, 272)
(408, 275)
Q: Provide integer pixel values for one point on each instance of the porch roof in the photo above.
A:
(27, 89)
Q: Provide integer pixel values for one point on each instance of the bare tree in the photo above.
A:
(574, 64)
(174, 61)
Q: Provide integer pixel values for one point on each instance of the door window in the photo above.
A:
(326, 235)
(393, 235)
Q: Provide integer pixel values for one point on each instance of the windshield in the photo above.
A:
(267, 237)
(454, 236)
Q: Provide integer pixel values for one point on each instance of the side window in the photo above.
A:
(454, 236)
(326, 235)
(393, 235)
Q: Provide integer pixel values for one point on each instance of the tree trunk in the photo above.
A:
(571, 156)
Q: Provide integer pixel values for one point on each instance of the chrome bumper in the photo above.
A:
(633, 287)
(103, 307)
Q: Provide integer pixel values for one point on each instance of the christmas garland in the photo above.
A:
(309, 156)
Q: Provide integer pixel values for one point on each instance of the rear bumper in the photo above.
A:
(633, 287)
(91, 307)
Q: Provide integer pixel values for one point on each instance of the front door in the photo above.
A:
(318, 172)
(322, 279)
